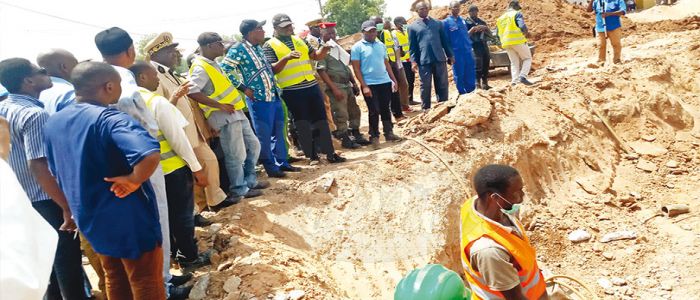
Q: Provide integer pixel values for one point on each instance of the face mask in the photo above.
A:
(380, 27)
(514, 207)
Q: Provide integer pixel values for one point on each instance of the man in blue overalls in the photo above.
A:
(463, 70)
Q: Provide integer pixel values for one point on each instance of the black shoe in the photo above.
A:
(292, 159)
(179, 292)
(290, 169)
(262, 184)
(276, 174)
(347, 143)
(203, 259)
(524, 81)
(414, 103)
(335, 158)
(180, 280)
(200, 221)
(486, 87)
(230, 200)
(375, 142)
(391, 137)
(359, 138)
(253, 193)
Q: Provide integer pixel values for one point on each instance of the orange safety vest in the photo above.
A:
(474, 227)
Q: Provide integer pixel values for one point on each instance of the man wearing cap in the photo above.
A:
(430, 49)
(117, 49)
(291, 58)
(478, 32)
(341, 89)
(314, 39)
(223, 107)
(401, 36)
(513, 34)
(163, 55)
(398, 96)
(463, 69)
(371, 66)
(252, 75)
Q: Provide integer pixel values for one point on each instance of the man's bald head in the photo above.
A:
(58, 62)
(96, 81)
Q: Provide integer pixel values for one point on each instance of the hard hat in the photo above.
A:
(432, 282)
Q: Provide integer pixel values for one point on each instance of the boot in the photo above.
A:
(359, 138)
(391, 137)
(348, 143)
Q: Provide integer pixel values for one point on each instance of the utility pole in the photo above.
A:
(320, 9)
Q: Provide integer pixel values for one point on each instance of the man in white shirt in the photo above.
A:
(58, 63)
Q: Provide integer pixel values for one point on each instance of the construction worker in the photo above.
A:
(341, 89)
(513, 34)
(463, 69)
(291, 58)
(478, 32)
(499, 261)
(401, 37)
(432, 282)
(163, 55)
(399, 98)
(608, 26)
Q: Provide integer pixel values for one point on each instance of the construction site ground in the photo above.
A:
(391, 210)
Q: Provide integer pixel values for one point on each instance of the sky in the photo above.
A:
(28, 28)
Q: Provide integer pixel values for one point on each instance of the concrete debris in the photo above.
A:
(618, 235)
(199, 290)
(327, 184)
(214, 228)
(646, 148)
(667, 285)
(648, 138)
(232, 283)
(607, 255)
(618, 281)
(579, 235)
(672, 164)
(672, 210)
(605, 283)
(646, 165)
(225, 265)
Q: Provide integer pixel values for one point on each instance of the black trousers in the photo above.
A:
(483, 62)
(378, 106)
(436, 71)
(66, 281)
(309, 113)
(411, 78)
(396, 108)
(179, 188)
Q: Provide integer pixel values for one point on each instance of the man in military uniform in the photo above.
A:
(341, 89)
(314, 39)
(163, 55)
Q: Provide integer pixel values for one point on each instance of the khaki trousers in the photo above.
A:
(615, 37)
(212, 194)
(138, 279)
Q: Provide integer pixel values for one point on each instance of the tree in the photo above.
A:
(141, 43)
(349, 14)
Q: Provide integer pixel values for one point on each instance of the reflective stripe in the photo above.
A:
(170, 154)
(224, 91)
(508, 31)
(532, 283)
(297, 63)
(294, 76)
(297, 71)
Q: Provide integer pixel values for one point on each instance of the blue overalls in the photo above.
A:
(463, 69)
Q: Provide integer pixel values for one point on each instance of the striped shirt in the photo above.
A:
(271, 57)
(26, 116)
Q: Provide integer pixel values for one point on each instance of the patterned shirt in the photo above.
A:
(26, 117)
(246, 67)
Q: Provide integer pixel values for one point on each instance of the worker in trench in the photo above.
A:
(498, 260)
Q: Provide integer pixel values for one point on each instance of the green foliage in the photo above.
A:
(141, 43)
(349, 14)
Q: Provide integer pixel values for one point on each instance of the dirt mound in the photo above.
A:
(689, 23)
(680, 10)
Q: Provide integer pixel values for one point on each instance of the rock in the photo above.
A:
(646, 165)
(648, 138)
(253, 259)
(232, 283)
(473, 111)
(437, 113)
(579, 235)
(607, 255)
(225, 265)
(618, 281)
(605, 283)
(296, 294)
(233, 241)
(236, 217)
(327, 184)
(618, 235)
(669, 185)
(636, 195)
(280, 296)
(629, 292)
(214, 228)
(646, 148)
(667, 285)
(672, 164)
(199, 290)
(593, 65)
(632, 156)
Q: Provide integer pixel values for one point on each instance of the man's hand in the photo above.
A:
(68, 222)
(367, 92)
(248, 92)
(394, 87)
(414, 67)
(293, 55)
(200, 178)
(450, 60)
(227, 108)
(337, 94)
(182, 90)
(122, 186)
(355, 90)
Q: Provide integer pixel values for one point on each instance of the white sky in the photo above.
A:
(25, 34)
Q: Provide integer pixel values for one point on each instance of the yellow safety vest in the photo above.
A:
(224, 91)
(475, 227)
(389, 43)
(168, 158)
(296, 70)
(508, 30)
(402, 38)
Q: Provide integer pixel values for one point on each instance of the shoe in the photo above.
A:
(406, 109)
(375, 142)
(200, 221)
(513, 83)
(229, 201)
(179, 292)
(276, 174)
(252, 193)
(292, 159)
(524, 81)
(486, 87)
(359, 138)
(262, 184)
(479, 86)
(347, 143)
(413, 103)
(335, 158)
(180, 280)
(289, 168)
(203, 259)
(391, 137)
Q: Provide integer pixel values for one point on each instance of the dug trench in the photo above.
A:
(351, 231)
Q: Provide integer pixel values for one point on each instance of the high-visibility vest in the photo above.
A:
(296, 70)
(224, 91)
(508, 30)
(389, 43)
(402, 38)
(474, 227)
(168, 158)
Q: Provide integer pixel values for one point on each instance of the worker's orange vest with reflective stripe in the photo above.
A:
(474, 227)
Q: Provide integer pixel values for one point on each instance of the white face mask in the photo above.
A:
(514, 207)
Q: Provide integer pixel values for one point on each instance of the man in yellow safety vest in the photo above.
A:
(512, 32)
(401, 36)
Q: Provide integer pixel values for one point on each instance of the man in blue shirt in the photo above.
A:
(463, 69)
(371, 65)
(26, 117)
(608, 26)
(103, 159)
(58, 63)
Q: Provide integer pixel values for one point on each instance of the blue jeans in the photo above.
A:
(241, 151)
(268, 120)
(464, 71)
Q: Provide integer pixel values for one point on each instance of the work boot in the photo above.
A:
(289, 168)
(335, 158)
(179, 292)
(203, 259)
(176, 280)
(252, 193)
(261, 185)
(359, 138)
(347, 143)
(200, 221)
(230, 200)
(524, 81)
(374, 140)
(391, 137)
